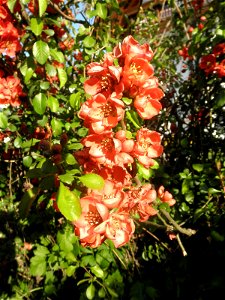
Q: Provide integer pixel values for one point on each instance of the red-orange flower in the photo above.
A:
(165, 196)
(101, 113)
(208, 63)
(86, 227)
(130, 47)
(119, 228)
(147, 146)
(10, 91)
(147, 104)
(219, 49)
(102, 147)
(104, 78)
(136, 71)
(140, 201)
(111, 195)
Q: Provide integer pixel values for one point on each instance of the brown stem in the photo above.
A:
(188, 231)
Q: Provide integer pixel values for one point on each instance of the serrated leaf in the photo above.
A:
(3, 120)
(42, 4)
(62, 77)
(39, 103)
(89, 42)
(101, 10)
(36, 26)
(68, 203)
(53, 104)
(37, 266)
(93, 181)
(41, 52)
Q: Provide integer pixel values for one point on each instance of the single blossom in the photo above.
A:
(147, 146)
(101, 114)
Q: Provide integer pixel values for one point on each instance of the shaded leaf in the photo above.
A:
(68, 203)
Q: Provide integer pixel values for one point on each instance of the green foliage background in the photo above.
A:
(192, 167)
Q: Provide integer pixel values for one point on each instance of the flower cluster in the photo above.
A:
(9, 35)
(214, 63)
(10, 86)
(10, 91)
(111, 152)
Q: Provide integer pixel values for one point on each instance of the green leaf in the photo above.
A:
(27, 161)
(43, 4)
(36, 25)
(3, 120)
(93, 181)
(68, 203)
(213, 191)
(57, 55)
(144, 172)
(41, 52)
(11, 4)
(17, 142)
(132, 116)
(220, 100)
(89, 42)
(75, 100)
(198, 167)
(56, 126)
(101, 10)
(98, 272)
(90, 292)
(44, 85)
(70, 270)
(127, 101)
(28, 75)
(53, 104)
(70, 159)
(37, 266)
(27, 199)
(39, 103)
(62, 77)
(66, 178)
(51, 70)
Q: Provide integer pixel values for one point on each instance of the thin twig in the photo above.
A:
(72, 19)
(181, 245)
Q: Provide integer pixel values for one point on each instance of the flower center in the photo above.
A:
(108, 110)
(107, 144)
(93, 218)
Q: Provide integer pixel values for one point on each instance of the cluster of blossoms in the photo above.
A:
(214, 63)
(9, 34)
(10, 87)
(109, 151)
